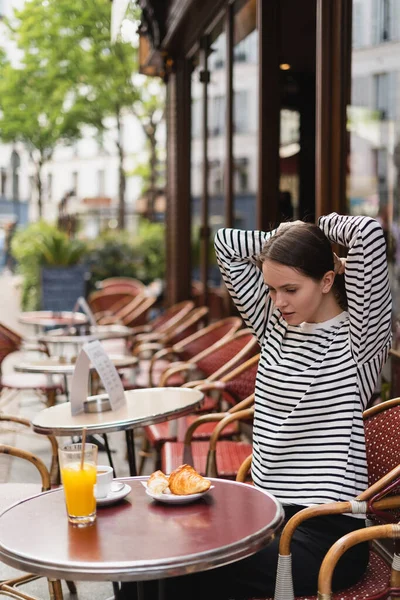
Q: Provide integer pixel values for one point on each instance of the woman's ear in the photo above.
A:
(327, 281)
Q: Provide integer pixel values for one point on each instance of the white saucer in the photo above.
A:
(114, 496)
(169, 498)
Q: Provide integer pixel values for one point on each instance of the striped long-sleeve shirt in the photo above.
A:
(315, 379)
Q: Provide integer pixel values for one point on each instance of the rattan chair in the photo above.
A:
(10, 342)
(15, 492)
(146, 345)
(380, 501)
(194, 345)
(216, 457)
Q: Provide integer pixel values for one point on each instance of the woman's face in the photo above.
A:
(298, 297)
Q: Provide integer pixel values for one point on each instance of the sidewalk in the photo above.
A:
(27, 404)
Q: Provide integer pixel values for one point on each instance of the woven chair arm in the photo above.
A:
(159, 355)
(239, 415)
(342, 545)
(54, 467)
(147, 347)
(177, 367)
(244, 469)
(108, 320)
(211, 466)
(32, 458)
(139, 329)
(15, 419)
(330, 508)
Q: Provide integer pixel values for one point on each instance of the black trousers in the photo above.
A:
(254, 577)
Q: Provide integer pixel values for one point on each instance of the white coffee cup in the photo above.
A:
(105, 475)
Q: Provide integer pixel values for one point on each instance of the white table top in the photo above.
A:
(100, 332)
(144, 407)
(56, 366)
(49, 318)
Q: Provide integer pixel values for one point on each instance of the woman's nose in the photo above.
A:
(280, 300)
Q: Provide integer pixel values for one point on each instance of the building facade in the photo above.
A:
(276, 108)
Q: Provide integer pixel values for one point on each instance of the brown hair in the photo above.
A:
(304, 247)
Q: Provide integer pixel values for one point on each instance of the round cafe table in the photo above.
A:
(143, 407)
(58, 365)
(138, 539)
(74, 340)
(48, 318)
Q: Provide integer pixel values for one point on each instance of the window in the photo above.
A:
(100, 182)
(75, 182)
(3, 182)
(381, 94)
(217, 116)
(241, 175)
(357, 25)
(49, 187)
(240, 111)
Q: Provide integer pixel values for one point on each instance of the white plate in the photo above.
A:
(169, 498)
(114, 496)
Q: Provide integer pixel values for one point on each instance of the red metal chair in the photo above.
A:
(217, 458)
(380, 501)
(10, 341)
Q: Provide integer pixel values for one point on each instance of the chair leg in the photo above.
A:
(51, 397)
(72, 587)
(55, 589)
(144, 453)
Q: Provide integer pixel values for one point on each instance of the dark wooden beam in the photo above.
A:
(333, 68)
(178, 182)
(268, 16)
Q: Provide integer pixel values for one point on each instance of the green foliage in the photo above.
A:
(69, 74)
(38, 245)
(115, 254)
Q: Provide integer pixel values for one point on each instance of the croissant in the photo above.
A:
(186, 480)
(157, 482)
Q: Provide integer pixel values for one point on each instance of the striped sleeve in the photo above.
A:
(237, 252)
(367, 284)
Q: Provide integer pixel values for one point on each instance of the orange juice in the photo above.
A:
(79, 488)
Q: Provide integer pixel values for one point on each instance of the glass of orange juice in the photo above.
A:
(78, 481)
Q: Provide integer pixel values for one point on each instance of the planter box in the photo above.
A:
(62, 286)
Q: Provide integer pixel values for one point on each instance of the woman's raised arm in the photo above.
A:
(237, 253)
(367, 283)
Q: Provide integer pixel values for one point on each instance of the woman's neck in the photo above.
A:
(329, 308)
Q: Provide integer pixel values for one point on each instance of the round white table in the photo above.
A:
(143, 407)
(48, 318)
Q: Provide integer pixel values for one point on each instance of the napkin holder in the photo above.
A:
(97, 404)
(114, 399)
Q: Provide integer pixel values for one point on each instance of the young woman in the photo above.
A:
(318, 369)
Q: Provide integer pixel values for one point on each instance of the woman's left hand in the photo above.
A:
(339, 264)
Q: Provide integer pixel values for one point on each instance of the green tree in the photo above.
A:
(34, 110)
(150, 112)
(72, 74)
